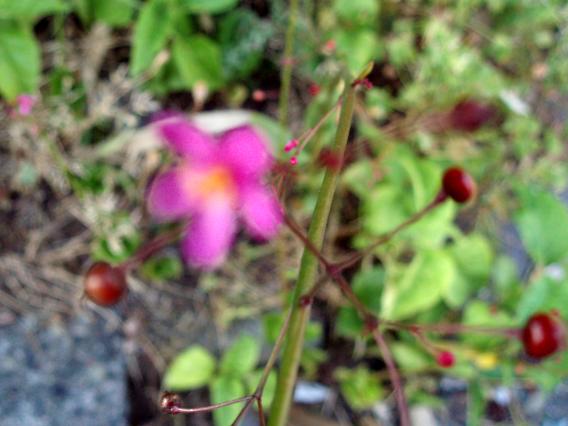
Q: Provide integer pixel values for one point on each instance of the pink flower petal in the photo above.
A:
(186, 140)
(25, 104)
(261, 212)
(167, 198)
(211, 234)
(245, 151)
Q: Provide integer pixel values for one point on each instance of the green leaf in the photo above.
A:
(360, 387)
(545, 294)
(30, 9)
(19, 61)
(348, 323)
(223, 389)
(272, 323)
(357, 11)
(543, 224)
(162, 268)
(368, 287)
(479, 313)
(358, 47)
(269, 388)
(243, 36)
(418, 286)
(198, 58)
(241, 357)
(150, 35)
(115, 13)
(191, 369)
(208, 6)
(409, 357)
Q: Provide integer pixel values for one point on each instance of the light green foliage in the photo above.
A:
(543, 224)
(225, 388)
(191, 369)
(19, 60)
(161, 269)
(360, 387)
(241, 357)
(150, 34)
(418, 286)
(29, 10)
(198, 59)
(208, 6)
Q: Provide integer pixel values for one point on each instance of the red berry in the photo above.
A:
(469, 115)
(104, 284)
(458, 185)
(542, 336)
(445, 359)
(314, 89)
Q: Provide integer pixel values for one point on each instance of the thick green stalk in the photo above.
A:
(307, 275)
(287, 64)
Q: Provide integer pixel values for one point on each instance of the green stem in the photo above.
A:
(307, 275)
(287, 65)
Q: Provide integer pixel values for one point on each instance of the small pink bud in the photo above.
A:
(329, 46)
(259, 95)
(291, 145)
(445, 359)
(25, 104)
(293, 161)
(314, 89)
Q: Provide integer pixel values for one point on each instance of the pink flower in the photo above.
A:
(214, 182)
(25, 103)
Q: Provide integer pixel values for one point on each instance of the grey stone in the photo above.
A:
(60, 374)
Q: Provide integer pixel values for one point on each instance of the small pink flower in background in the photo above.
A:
(214, 182)
(25, 104)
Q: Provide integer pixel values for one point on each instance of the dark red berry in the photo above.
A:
(542, 336)
(169, 403)
(314, 89)
(105, 285)
(458, 185)
(445, 359)
(469, 115)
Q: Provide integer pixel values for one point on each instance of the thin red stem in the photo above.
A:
(213, 407)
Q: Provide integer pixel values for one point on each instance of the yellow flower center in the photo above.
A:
(217, 181)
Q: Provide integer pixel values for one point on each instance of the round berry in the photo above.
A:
(169, 402)
(445, 359)
(470, 115)
(104, 284)
(542, 336)
(458, 185)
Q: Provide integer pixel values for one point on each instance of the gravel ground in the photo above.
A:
(55, 374)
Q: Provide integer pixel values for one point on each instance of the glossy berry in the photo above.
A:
(542, 336)
(169, 402)
(104, 284)
(446, 359)
(469, 115)
(458, 185)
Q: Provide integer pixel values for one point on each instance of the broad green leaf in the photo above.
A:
(368, 286)
(269, 388)
(208, 6)
(543, 224)
(358, 48)
(162, 268)
(243, 36)
(410, 358)
(30, 9)
(226, 388)
(360, 387)
(115, 13)
(478, 313)
(348, 322)
(357, 11)
(418, 286)
(198, 58)
(191, 369)
(150, 35)
(19, 61)
(241, 357)
(544, 294)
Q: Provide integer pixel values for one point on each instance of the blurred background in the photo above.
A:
(482, 84)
